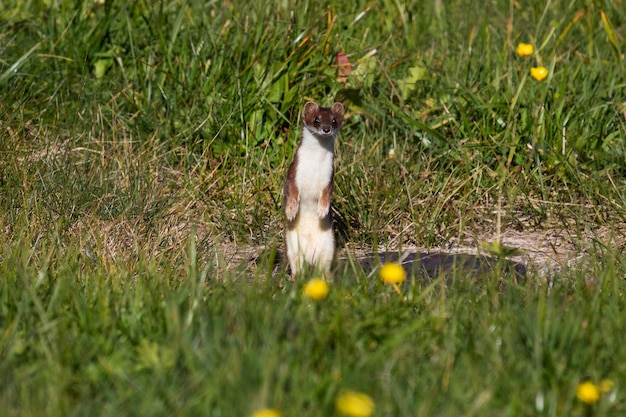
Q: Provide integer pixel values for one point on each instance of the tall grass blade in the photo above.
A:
(610, 33)
(17, 64)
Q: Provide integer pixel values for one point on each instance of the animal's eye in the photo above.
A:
(316, 120)
(334, 121)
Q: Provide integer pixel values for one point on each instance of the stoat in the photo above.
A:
(308, 189)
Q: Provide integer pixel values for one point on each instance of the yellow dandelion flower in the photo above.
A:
(606, 385)
(354, 404)
(539, 73)
(267, 412)
(524, 49)
(588, 392)
(316, 289)
(392, 273)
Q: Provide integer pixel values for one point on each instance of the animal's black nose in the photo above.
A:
(326, 129)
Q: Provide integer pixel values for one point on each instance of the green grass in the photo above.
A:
(143, 150)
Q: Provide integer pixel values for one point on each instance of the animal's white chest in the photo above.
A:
(315, 166)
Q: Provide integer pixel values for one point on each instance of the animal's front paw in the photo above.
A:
(291, 209)
(323, 209)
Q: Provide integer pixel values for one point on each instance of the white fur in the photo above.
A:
(310, 236)
(308, 243)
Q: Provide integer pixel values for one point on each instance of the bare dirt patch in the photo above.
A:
(542, 252)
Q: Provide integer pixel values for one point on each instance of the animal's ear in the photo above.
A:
(310, 108)
(337, 108)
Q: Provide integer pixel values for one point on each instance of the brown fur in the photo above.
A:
(290, 190)
(327, 193)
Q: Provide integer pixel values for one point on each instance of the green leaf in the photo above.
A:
(101, 66)
(407, 85)
(365, 70)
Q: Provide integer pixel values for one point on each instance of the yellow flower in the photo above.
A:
(524, 49)
(354, 404)
(392, 273)
(606, 385)
(316, 289)
(267, 412)
(588, 392)
(539, 73)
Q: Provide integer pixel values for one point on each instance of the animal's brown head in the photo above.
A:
(323, 121)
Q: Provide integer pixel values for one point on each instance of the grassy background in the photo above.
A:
(142, 142)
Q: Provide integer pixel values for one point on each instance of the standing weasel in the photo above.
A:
(308, 189)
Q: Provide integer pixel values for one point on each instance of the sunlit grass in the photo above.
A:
(144, 147)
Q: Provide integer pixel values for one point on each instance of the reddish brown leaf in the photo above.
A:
(344, 67)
